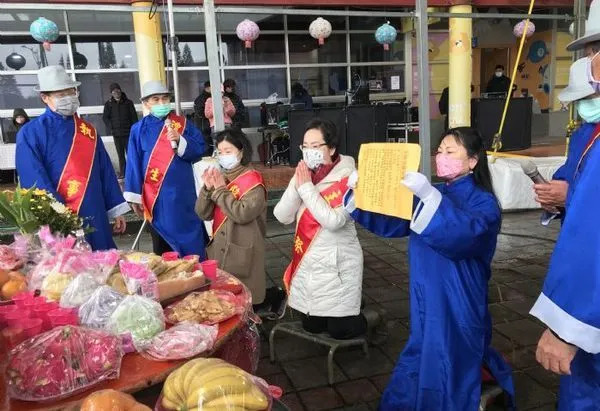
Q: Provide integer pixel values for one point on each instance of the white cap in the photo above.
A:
(579, 86)
(152, 88)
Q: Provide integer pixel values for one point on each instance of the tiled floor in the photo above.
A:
(523, 251)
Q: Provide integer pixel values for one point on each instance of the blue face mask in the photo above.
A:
(589, 110)
(160, 110)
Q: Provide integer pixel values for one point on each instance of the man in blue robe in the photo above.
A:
(45, 149)
(170, 208)
(452, 239)
(552, 196)
(569, 304)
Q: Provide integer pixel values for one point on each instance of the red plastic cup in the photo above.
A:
(14, 318)
(191, 257)
(59, 321)
(209, 268)
(55, 317)
(33, 302)
(5, 309)
(170, 256)
(13, 336)
(41, 311)
(31, 327)
(21, 298)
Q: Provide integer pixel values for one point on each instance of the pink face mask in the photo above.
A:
(447, 167)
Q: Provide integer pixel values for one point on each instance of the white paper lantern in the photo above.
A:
(320, 29)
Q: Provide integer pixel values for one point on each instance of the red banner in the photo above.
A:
(239, 187)
(75, 177)
(160, 159)
(308, 228)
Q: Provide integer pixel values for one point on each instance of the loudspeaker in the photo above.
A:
(365, 125)
(486, 115)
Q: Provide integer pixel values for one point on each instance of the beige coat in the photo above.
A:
(239, 245)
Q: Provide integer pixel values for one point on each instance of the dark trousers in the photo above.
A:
(159, 245)
(340, 328)
(121, 143)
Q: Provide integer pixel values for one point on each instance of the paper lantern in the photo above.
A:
(15, 61)
(320, 29)
(519, 29)
(572, 29)
(45, 31)
(386, 35)
(247, 31)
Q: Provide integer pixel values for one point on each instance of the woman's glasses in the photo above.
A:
(303, 147)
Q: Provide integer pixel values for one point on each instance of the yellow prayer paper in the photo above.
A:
(381, 168)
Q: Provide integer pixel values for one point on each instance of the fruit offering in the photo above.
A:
(185, 340)
(141, 317)
(111, 400)
(61, 362)
(207, 307)
(9, 260)
(96, 311)
(213, 384)
(55, 284)
(11, 284)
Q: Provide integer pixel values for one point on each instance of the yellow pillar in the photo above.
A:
(148, 44)
(460, 68)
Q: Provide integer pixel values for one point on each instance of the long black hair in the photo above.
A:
(472, 141)
(237, 138)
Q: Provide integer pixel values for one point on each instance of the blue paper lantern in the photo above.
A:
(45, 31)
(386, 35)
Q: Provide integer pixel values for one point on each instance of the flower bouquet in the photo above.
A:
(30, 209)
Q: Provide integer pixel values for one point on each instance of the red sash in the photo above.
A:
(75, 176)
(308, 228)
(239, 187)
(160, 159)
(595, 135)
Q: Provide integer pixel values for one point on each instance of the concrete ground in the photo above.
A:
(519, 266)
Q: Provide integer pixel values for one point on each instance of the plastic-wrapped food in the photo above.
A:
(206, 307)
(141, 317)
(213, 384)
(96, 311)
(62, 362)
(65, 262)
(139, 279)
(185, 340)
(243, 348)
(103, 263)
(79, 291)
(9, 260)
(55, 284)
(111, 400)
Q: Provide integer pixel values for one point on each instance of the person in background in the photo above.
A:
(236, 201)
(301, 96)
(119, 115)
(324, 279)
(228, 111)
(443, 104)
(159, 180)
(64, 155)
(553, 195)
(452, 240)
(499, 83)
(240, 110)
(200, 119)
(19, 119)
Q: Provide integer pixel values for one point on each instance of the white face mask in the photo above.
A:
(228, 161)
(499, 73)
(313, 157)
(66, 105)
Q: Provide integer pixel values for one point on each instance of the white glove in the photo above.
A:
(419, 185)
(353, 180)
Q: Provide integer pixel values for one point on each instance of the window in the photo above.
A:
(33, 53)
(104, 52)
(184, 22)
(97, 22)
(20, 20)
(191, 51)
(306, 50)
(18, 91)
(228, 22)
(95, 88)
(268, 49)
(365, 49)
(190, 83)
(259, 83)
(382, 78)
(372, 23)
(321, 81)
(299, 22)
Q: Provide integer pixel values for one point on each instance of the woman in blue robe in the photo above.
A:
(452, 239)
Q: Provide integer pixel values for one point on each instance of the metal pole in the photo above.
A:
(515, 16)
(423, 71)
(579, 29)
(212, 51)
(69, 45)
(173, 45)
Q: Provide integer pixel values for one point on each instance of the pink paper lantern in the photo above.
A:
(320, 29)
(247, 31)
(519, 29)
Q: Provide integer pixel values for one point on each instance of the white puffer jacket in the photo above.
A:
(328, 281)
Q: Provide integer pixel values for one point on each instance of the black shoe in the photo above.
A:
(278, 299)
